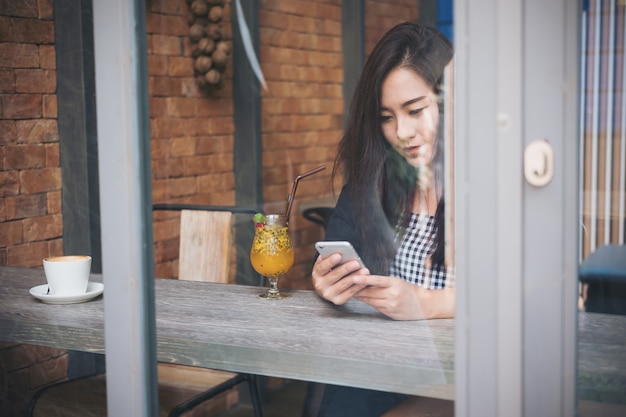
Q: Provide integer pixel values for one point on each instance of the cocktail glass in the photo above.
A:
(272, 253)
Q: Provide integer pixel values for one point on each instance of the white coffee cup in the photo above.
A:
(67, 275)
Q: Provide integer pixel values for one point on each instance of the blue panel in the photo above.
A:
(445, 11)
(445, 18)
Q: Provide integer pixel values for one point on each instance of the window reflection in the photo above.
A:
(602, 253)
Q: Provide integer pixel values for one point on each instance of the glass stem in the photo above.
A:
(273, 286)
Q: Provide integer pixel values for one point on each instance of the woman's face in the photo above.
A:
(409, 116)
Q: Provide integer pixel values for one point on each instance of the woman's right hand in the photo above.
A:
(329, 279)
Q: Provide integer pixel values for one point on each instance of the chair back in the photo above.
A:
(205, 245)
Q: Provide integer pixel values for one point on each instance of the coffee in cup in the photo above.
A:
(67, 275)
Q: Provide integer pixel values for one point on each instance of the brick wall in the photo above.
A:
(31, 226)
(302, 111)
(381, 15)
(191, 133)
(302, 114)
(192, 136)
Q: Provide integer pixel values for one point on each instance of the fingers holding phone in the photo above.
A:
(337, 261)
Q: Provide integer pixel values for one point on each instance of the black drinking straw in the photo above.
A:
(292, 195)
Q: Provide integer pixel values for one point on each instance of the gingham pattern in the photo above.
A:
(412, 261)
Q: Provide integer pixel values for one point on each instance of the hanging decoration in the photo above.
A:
(209, 48)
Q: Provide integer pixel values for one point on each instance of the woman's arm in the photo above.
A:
(402, 300)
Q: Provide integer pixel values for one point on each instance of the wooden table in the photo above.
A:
(226, 327)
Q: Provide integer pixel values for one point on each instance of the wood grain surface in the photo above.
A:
(227, 327)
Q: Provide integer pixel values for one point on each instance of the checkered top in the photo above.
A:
(412, 261)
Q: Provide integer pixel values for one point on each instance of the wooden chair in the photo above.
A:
(205, 238)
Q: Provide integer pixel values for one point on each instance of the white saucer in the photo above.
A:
(94, 289)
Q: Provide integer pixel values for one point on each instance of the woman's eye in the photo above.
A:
(384, 118)
(416, 111)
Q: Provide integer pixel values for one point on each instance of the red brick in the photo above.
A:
(214, 107)
(45, 9)
(6, 29)
(47, 57)
(167, 250)
(181, 107)
(170, 168)
(187, 46)
(40, 180)
(54, 202)
(19, 55)
(50, 106)
(42, 373)
(167, 7)
(157, 64)
(19, 157)
(37, 131)
(167, 25)
(35, 81)
(23, 206)
(226, 198)
(165, 45)
(22, 8)
(55, 247)
(189, 88)
(164, 270)
(28, 255)
(167, 229)
(8, 132)
(158, 107)
(183, 146)
(216, 182)
(221, 125)
(160, 190)
(179, 187)
(195, 165)
(21, 106)
(52, 155)
(11, 233)
(214, 144)
(180, 67)
(164, 86)
(9, 183)
(43, 228)
(33, 31)
(160, 148)
(16, 357)
(7, 80)
(169, 128)
(44, 353)
(3, 212)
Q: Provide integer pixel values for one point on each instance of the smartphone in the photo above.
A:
(347, 251)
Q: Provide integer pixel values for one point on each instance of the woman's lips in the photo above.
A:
(412, 150)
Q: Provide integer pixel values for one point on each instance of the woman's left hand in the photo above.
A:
(402, 300)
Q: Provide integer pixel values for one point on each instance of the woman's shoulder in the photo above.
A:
(342, 223)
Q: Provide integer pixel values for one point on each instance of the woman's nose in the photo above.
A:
(405, 130)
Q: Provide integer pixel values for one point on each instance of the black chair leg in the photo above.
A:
(254, 395)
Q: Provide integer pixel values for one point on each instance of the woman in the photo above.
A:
(391, 207)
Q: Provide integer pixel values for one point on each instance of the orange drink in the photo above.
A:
(271, 254)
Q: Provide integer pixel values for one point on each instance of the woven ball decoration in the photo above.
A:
(209, 48)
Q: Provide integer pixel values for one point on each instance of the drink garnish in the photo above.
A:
(259, 220)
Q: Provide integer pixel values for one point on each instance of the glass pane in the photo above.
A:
(603, 184)
(228, 132)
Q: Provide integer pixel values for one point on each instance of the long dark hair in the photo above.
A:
(381, 183)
